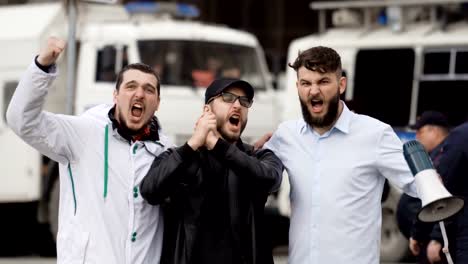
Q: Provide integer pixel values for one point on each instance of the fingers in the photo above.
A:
(259, 144)
(51, 52)
(433, 251)
(205, 123)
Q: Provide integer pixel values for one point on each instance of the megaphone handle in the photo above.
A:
(445, 248)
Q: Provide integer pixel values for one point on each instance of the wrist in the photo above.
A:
(211, 143)
(44, 63)
(193, 144)
(44, 68)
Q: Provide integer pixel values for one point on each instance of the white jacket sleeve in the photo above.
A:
(391, 162)
(51, 134)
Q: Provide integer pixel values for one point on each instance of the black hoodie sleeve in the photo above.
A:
(168, 171)
(262, 167)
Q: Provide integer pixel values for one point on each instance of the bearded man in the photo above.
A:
(337, 162)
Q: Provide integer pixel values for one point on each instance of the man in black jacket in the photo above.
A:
(214, 187)
(453, 167)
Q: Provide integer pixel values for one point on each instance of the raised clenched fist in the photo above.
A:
(51, 51)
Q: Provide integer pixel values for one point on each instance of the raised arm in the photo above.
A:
(49, 133)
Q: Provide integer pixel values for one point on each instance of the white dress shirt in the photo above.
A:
(336, 186)
(117, 228)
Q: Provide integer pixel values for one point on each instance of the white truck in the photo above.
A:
(401, 57)
(187, 54)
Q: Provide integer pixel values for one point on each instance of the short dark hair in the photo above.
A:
(321, 59)
(140, 67)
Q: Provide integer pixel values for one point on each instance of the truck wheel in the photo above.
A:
(394, 246)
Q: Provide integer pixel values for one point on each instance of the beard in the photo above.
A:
(227, 135)
(327, 119)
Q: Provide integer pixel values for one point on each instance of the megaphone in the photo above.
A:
(437, 203)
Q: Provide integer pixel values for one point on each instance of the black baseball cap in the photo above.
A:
(431, 118)
(219, 85)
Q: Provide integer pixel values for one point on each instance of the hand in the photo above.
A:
(414, 246)
(51, 52)
(433, 251)
(213, 135)
(259, 144)
(205, 124)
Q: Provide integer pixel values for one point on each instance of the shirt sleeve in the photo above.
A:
(391, 162)
(51, 134)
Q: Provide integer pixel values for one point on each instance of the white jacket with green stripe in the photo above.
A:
(118, 227)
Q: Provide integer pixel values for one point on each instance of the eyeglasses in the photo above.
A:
(231, 98)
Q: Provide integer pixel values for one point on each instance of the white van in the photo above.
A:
(415, 60)
(187, 54)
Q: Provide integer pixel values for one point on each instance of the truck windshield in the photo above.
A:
(198, 63)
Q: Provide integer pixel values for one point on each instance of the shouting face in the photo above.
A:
(136, 100)
(319, 94)
(231, 117)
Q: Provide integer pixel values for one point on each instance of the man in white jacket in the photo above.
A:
(103, 154)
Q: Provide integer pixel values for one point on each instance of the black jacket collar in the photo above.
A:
(129, 135)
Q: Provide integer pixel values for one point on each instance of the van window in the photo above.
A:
(461, 66)
(436, 62)
(449, 63)
(198, 63)
(446, 88)
(110, 60)
(8, 90)
(448, 97)
(383, 83)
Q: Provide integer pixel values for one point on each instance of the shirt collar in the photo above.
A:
(344, 121)
(342, 124)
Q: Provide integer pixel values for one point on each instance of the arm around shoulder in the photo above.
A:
(262, 166)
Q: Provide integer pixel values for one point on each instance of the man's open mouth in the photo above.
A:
(234, 119)
(137, 109)
(317, 105)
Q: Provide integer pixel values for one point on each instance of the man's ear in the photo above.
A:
(116, 92)
(207, 108)
(342, 84)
